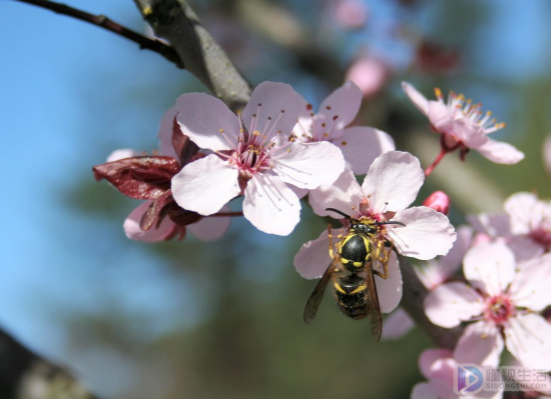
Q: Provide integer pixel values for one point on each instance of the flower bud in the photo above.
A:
(439, 201)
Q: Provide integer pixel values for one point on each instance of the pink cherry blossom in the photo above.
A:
(436, 272)
(525, 226)
(439, 201)
(502, 301)
(369, 74)
(437, 366)
(360, 145)
(463, 126)
(250, 158)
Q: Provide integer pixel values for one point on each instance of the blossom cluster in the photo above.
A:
(277, 151)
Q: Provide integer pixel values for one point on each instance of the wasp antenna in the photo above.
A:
(390, 222)
(339, 212)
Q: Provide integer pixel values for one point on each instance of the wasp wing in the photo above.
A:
(317, 295)
(373, 305)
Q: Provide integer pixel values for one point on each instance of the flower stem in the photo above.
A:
(429, 170)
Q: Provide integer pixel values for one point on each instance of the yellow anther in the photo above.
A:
(325, 134)
(221, 130)
(489, 113)
(438, 92)
(343, 143)
(288, 150)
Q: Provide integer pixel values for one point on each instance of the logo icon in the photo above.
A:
(467, 378)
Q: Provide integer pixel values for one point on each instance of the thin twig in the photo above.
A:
(102, 21)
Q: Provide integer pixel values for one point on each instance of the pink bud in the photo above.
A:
(369, 74)
(439, 201)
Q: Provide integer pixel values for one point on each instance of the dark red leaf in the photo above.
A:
(152, 215)
(184, 147)
(139, 177)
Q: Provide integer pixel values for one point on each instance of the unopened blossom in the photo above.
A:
(463, 126)
(148, 178)
(501, 301)
(437, 271)
(369, 74)
(250, 158)
(525, 226)
(360, 145)
(390, 186)
(439, 201)
(437, 366)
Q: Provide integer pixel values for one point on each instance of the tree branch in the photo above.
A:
(175, 21)
(105, 23)
(413, 302)
(24, 375)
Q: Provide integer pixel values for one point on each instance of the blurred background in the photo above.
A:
(224, 319)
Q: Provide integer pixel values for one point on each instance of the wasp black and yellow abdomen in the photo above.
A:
(354, 251)
(352, 296)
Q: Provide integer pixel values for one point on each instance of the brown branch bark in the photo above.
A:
(103, 22)
(412, 301)
(24, 375)
(175, 21)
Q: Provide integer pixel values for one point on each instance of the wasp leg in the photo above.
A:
(382, 256)
(330, 235)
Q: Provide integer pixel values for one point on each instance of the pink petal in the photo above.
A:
(361, 145)
(472, 137)
(499, 152)
(423, 390)
(165, 133)
(440, 117)
(122, 154)
(518, 206)
(528, 339)
(211, 228)
(345, 194)
(309, 165)
(305, 119)
(313, 258)
(450, 304)
(428, 359)
(451, 262)
(416, 98)
(495, 225)
(481, 344)
(270, 205)
(207, 121)
(276, 106)
(369, 74)
(427, 234)
(390, 290)
(524, 247)
(532, 284)
(393, 181)
(337, 111)
(397, 324)
(154, 234)
(205, 185)
(490, 267)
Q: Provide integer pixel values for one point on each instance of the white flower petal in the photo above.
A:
(490, 267)
(416, 98)
(450, 304)
(532, 284)
(481, 344)
(528, 338)
(211, 228)
(518, 206)
(451, 262)
(313, 258)
(205, 185)
(495, 225)
(500, 152)
(390, 290)
(309, 165)
(396, 325)
(154, 234)
(270, 205)
(165, 133)
(524, 247)
(343, 194)
(427, 234)
(273, 107)
(429, 358)
(337, 111)
(303, 129)
(207, 121)
(393, 181)
(361, 145)
(122, 154)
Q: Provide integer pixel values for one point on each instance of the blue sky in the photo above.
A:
(64, 92)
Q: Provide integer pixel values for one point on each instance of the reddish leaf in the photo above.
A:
(139, 177)
(184, 147)
(153, 213)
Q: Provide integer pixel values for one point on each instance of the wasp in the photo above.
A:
(352, 271)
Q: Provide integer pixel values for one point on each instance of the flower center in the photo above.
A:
(542, 236)
(499, 309)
